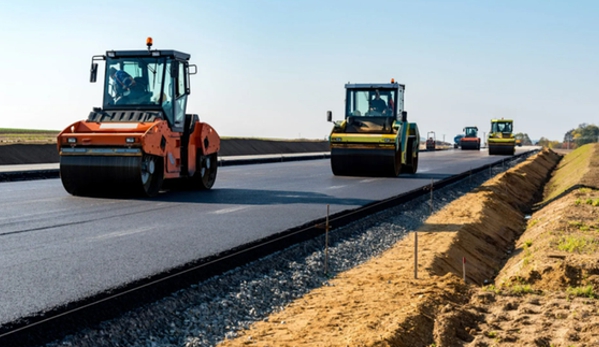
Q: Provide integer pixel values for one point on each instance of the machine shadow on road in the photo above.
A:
(256, 197)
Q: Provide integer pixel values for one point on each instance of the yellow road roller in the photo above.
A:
(374, 138)
(501, 138)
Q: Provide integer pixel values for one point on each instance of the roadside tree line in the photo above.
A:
(574, 138)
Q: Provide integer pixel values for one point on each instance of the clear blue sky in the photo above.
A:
(272, 68)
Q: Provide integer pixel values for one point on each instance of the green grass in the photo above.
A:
(569, 171)
(518, 286)
(4, 131)
(27, 135)
(577, 244)
(585, 291)
(491, 334)
(580, 225)
(576, 224)
(527, 253)
(492, 288)
(521, 289)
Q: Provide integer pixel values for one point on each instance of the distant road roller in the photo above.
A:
(431, 141)
(375, 138)
(501, 138)
(519, 138)
(470, 140)
(141, 137)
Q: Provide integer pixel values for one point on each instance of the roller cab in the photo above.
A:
(374, 138)
(141, 139)
(501, 138)
(470, 140)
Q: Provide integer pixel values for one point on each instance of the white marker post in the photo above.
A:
(416, 254)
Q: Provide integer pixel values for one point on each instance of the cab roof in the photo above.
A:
(375, 86)
(148, 53)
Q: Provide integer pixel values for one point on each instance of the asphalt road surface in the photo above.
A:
(56, 248)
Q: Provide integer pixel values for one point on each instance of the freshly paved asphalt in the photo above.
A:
(56, 248)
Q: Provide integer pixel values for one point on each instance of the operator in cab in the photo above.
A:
(377, 104)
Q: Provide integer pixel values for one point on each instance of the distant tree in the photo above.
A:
(543, 142)
(585, 133)
(569, 139)
(569, 135)
(588, 134)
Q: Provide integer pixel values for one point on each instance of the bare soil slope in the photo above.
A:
(546, 294)
(380, 303)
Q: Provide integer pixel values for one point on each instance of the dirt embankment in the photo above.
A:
(546, 294)
(12, 154)
(537, 299)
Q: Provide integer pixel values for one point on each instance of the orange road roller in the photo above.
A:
(141, 139)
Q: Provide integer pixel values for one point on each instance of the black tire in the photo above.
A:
(206, 169)
(337, 166)
(412, 165)
(151, 174)
(397, 166)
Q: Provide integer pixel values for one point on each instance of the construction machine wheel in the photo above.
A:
(152, 174)
(205, 175)
(111, 175)
(501, 150)
(367, 162)
(344, 164)
(395, 169)
(412, 165)
(337, 166)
